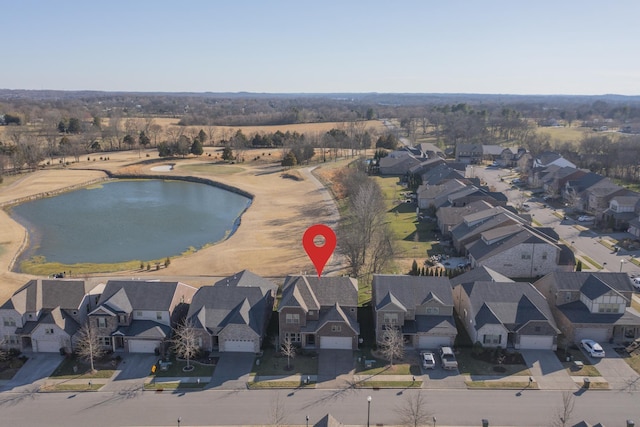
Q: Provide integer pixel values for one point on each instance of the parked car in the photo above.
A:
(428, 360)
(593, 348)
(447, 358)
(636, 283)
(585, 218)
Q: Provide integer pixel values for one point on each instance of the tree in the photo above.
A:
(392, 344)
(227, 154)
(414, 269)
(74, 126)
(143, 139)
(88, 346)
(413, 411)
(289, 160)
(202, 136)
(579, 266)
(288, 349)
(185, 342)
(563, 414)
(196, 147)
(278, 415)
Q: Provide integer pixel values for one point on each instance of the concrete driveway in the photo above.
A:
(547, 370)
(37, 368)
(232, 371)
(616, 371)
(131, 372)
(335, 368)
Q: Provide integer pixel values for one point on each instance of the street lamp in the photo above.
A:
(307, 420)
(179, 420)
(621, 263)
(368, 410)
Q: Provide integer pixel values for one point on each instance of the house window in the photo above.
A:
(292, 336)
(199, 341)
(9, 321)
(11, 339)
(293, 318)
(390, 318)
(544, 255)
(48, 331)
(336, 328)
(102, 322)
(139, 313)
(122, 318)
(608, 308)
(526, 256)
(158, 315)
(537, 329)
(104, 341)
(312, 312)
(491, 339)
(433, 310)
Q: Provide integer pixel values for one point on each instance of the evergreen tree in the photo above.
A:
(579, 266)
(196, 147)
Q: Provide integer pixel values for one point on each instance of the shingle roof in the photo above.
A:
(61, 319)
(479, 274)
(317, 292)
(411, 291)
(144, 329)
(337, 314)
(481, 250)
(39, 294)
(139, 295)
(574, 280)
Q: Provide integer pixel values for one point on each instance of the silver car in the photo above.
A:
(593, 348)
(428, 360)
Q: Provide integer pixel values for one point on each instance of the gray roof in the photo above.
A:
(246, 278)
(41, 294)
(327, 421)
(511, 304)
(631, 200)
(454, 215)
(127, 295)
(60, 318)
(481, 250)
(575, 280)
(443, 189)
(585, 181)
(144, 329)
(479, 274)
(577, 312)
(410, 291)
(547, 157)
(312, 293)
(463, 231)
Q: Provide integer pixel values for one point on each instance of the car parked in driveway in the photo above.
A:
(428, 360)
(447, 358)
(585, 218)
(593, 348)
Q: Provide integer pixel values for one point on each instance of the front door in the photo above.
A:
(119, 343)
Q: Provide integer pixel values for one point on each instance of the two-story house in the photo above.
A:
(45, 315)
(232, 315)
(621, 212)
(596, 306)
(138, 316)
(319, 312)
(420, 307)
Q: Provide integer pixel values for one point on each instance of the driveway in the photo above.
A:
(615, 370)
(131, 372)
(547, 370)
(335, 368)
(232, 371)
(34, 371)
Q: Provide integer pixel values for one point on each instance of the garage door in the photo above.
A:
(143, 346)
(44, 346)
(596, 334)
(247, 346)
(336, 343)
(536, 342)
(426, 342)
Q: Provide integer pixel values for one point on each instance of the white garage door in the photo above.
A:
(44, 346)
(536, 342)
(425, 342)
(246, 346)
(596, 334)
(336, 343)
(143, 346)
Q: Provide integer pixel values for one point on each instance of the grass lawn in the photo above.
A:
(72, 387)
(471, 366)
(272, 363)
(381, 366)
(265, 385)
(8, 368)
(634, 362)
(212, 168)
(175, 370)
(72, 368)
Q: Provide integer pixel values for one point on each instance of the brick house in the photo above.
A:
(319, 312)
(232, 315)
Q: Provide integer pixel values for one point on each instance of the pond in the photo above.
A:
(128, 220)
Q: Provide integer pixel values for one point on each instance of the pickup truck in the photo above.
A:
(448, 358)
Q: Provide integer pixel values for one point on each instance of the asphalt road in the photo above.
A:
(213, 407)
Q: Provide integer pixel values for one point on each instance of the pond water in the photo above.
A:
(129, 220)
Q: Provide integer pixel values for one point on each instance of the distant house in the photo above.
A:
(420, 307)
(398, 163)
(428, 195)
(232, 315)
(319, 312)
(548, 158)
(592, 305)
(471, 154)
(138, 316)
(621, 212)
(552, 179)
(506, 314)
(45, 315)
(450, 216)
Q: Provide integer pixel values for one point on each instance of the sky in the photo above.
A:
(580, 47)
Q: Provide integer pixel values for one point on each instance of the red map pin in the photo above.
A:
(319, 255)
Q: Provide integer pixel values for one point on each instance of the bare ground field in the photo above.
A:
(268, 241)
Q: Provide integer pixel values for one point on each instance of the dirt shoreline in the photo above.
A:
(268, 242)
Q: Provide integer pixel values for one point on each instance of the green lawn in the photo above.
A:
(72, 368)
(272, 363)
(175, 370)
(471, 366)
(212, 168)
(260, 385)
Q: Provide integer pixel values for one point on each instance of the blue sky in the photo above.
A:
(439, 46)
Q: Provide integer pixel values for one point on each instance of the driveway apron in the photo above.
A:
(616, 371)
(335, 369)
(232, 371)
(37, 368)
(547, 370)
(131, 372)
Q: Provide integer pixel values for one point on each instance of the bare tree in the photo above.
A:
(563, 414)
(413, 411)
(88, 346)
(392, 344)
(185, 342)
(278, 415)
(288, 349)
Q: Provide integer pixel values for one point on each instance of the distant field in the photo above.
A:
(564, 134)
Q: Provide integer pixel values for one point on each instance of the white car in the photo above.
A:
(593, 348)
(428, 360)
(585, 218)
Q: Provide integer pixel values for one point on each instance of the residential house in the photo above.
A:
(621, 212)
(45, 315)
(596, 306)
(552, 179)
(574, 191)
(398, 163)
(232, 315)
(548, 158)
(469, 153)
(450, 216)
(600, 194)
(435, 166)
(473, 224)
(430, 150)
(420, 307)
(429, 194)
(319, 312)
(506, 314)
(138, 316)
